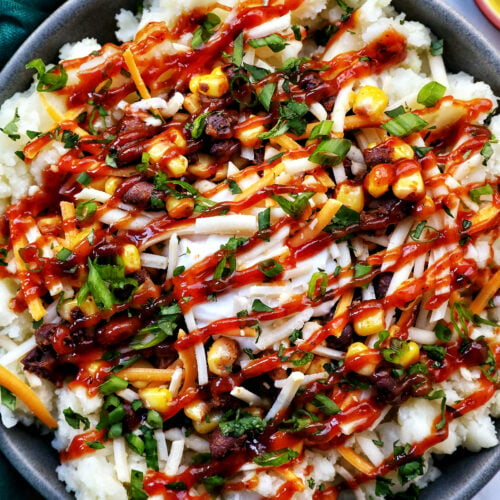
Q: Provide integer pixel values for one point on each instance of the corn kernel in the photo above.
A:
(370, 323)
(89, 307)
(370, 101)
(65, 308)
(203, 168)
(208, 424)
(197, 411)
(112, 184)
(425, 207)
(402, 150)
(409, 187)
(410, 354)
(158, 150)
(179, 208)
(131, 258)
(155, 398)
(215, 84)
(176, 137)
(248, 136)
(177, 166)
(351, 195)
(367, 364)
(222, 355)
(192, 104)
(50, 224)
(379, 179)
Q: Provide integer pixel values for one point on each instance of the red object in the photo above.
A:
(491, 9)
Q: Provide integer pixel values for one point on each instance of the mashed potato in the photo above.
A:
(253, 252)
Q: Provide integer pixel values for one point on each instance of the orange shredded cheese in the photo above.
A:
(356, 460)
(487, 292)
(27, 396)
(136, 75)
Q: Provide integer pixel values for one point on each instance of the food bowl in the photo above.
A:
(463, 474)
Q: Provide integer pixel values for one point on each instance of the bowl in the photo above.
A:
(463, 474)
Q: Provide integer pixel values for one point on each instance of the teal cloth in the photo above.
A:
(18, 19)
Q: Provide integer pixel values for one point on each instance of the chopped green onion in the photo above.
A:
(199, 125)
(331, 152)
(259, 306)
(275, 458)
(437, 48)
(266, 95)
(48, 80)
(322, 129)
(74, 419)
(64, 254)
(95, 445)
(325, 404)
(275, 42)
(476, 193)
(430, 94)
(112, 385)
(237, 57)
(486, 152)
(294, 207)
(233, 186)
(416, 233)
(320, 277)
(84, 179)
(361, 269)
(270, 268)
(404, 124)
(136, 491)
(84, 209)
(392, 113)
(7, 398)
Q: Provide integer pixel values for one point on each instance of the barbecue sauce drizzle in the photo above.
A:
(173, 72)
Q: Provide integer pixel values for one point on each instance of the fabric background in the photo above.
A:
(18, 19)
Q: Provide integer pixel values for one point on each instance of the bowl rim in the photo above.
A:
(15, 443)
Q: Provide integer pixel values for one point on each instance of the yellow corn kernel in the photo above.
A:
(402, 150)
(197, 411)
(177, 166)
(131, 258)
(222, 355)
(175, 135)
(248, 136)
(65, 308)
(208, 424)
(94, 367)
(351, 195)
(355, 349)
(155, 398)
(88, 307)
(410, 186)
(158, 150)
(215, 84)
(50, 224)
(370, 323)
(379, 179)
(112, 184)
(425, 207)
(370, 101)
(368, 366)
(179, 208)
(410, 354)
(192, 104)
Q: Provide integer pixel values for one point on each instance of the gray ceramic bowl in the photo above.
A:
(466, 49)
